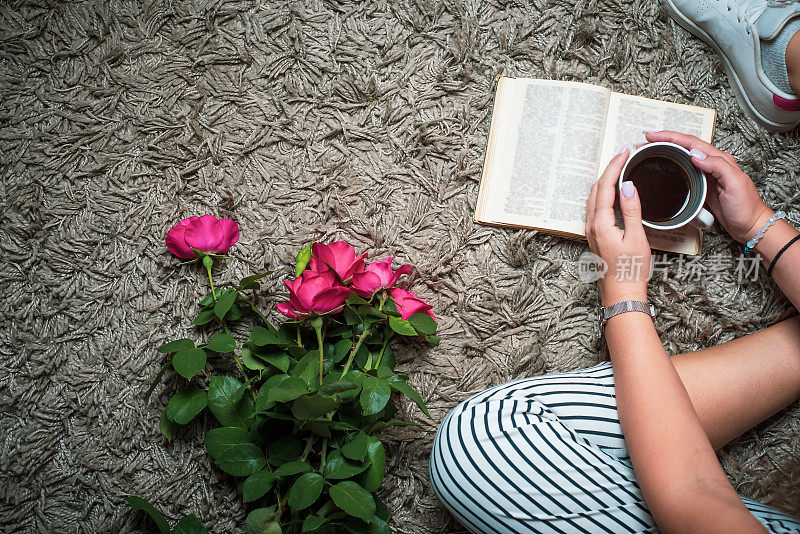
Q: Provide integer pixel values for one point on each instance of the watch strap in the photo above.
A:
(607, 312)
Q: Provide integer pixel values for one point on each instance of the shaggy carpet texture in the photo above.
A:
(364, 121)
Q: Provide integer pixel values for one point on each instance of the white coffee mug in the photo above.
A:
(693, 211)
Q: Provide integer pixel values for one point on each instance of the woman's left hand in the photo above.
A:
(626, 252)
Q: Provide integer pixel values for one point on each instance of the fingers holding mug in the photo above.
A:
(689, 142)
(671, 188)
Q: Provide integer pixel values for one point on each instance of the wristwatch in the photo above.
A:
(607, 312)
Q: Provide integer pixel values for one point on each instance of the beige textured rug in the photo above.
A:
(363, 121)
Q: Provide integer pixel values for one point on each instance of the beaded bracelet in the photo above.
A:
(748, 248)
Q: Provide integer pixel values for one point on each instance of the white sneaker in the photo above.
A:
(734, 29)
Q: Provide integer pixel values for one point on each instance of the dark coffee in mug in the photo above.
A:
(663, 185)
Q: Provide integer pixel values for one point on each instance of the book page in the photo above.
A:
(545, 156)
(628, 117)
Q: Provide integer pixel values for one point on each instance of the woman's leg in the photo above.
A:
(736, 385)
(793, 63)
(546, 454)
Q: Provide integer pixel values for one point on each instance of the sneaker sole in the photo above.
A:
(736, 85)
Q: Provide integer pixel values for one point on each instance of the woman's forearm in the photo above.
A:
(671, 453)
(787, 270)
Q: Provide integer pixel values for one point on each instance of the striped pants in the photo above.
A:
(547, 454)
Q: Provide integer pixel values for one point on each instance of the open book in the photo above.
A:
(550, 140)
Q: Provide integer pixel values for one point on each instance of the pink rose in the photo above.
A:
(313, 293)
(338, 256)
(408, 303)
(377, 275)
(205, 234)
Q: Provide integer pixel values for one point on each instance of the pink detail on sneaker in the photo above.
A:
(785, 104)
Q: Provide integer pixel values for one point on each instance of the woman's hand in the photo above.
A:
(732, 196)
(626, 252)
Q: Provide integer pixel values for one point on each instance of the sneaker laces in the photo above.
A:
(749, 10)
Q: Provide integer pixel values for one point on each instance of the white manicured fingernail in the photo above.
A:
(697, 154)
(628, 189)
(645, 132)
(623, 150)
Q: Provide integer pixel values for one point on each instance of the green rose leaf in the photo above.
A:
(381, 510)
(222, 343)
(380, 425)
(189, 362)
(302, 259)
(390, 308)
(307, 369)
(313, 522)
(175, 346)
(221, 439)
(137, 503)
(224, 302)
(207, 301)
(375, 393)
(423, 323)
(356, 300)
(402, 386)
(285, 450)
(251, 282)
(305, 491)
(204, 317)
(353, 499)
(379, 526)
(251, 362)
(372, 478)
(184, 405)
(262, 399)
(296, 351)
(256, 485)
(280, 360)
(166, 426)
(241, 459)
(433, 340)
(312, 406)
(401, 326)
(292, 468)
(341, 349)
(189, 525)
(288, 390)
(262, 521)
(356, 449)
(339, 386)
(260, 336)
(227, 405)
(337, 467)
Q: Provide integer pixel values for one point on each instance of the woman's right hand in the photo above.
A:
(732, 196)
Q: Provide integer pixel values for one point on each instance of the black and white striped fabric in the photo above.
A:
(546, 454)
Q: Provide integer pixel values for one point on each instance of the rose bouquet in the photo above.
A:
(297, 423)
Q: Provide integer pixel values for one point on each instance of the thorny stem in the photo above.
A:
(323, 454)
(235, 357)
(383, 348)
(307, 451)
(253, 307)
(316, 323)
(354, 351)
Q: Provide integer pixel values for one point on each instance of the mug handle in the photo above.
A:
(703, 220)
